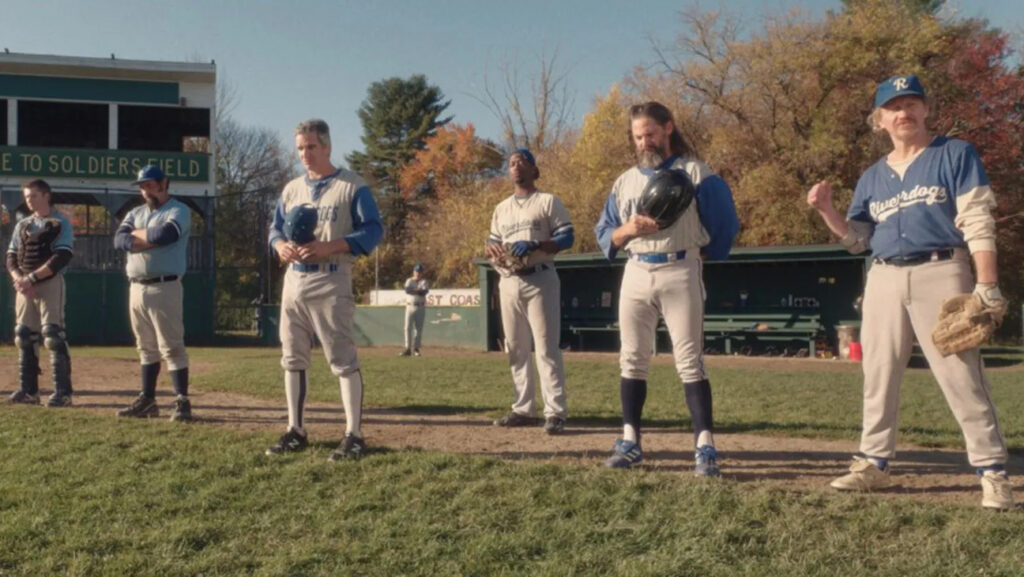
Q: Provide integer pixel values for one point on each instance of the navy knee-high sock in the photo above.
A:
(634, 394)
(698, 399)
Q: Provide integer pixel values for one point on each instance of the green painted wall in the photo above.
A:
(97, 309)
(96, 89)
(461, 327)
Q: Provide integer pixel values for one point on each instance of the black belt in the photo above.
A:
(155, 279)
(934, 256)
(530, 270)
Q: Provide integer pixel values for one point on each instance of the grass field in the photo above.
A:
(85, 494)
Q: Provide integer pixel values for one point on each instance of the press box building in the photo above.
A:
(86, 125)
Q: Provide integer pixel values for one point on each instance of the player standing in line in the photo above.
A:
(925, 211)
(155, 236)
(663, 275)
(537, 225)
(40, 249)
(317, 298)
(416, 287)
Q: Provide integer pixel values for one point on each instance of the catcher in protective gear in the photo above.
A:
(667, 195)
(966, 321)
(40, 249)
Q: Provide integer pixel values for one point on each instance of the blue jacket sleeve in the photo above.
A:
(366, 222)
(606, 224)
(276, 225)
(718, 215)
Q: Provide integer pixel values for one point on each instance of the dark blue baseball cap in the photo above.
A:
(150, 172)
(418, 268)
(898, 86)
(525, 153)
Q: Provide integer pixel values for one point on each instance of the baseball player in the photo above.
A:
(537, 226)
(663, 276)
(155, 236)
(40, 249)
(317, 300)
(925, 211)
(416, 289)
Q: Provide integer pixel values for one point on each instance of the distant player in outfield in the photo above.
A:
(155, 236)
(317, 300)
(925, 211)
(40, 249)
(537, 226)
(663, 277)
(416, 289)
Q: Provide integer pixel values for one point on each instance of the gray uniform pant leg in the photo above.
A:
(899, 303)
(414, 318)
(531, 314)
(638, 319)
(157, 320)
(679, 294)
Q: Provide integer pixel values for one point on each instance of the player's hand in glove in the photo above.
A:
(523, 247)
(992, 300)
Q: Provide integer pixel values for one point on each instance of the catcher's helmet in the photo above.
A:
(667, 196)
(300, 224)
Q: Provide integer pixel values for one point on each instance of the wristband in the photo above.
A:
(32, 278)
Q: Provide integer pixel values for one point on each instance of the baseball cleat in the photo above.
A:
(351, 447)
(996, 491)
(706, 462)
(404, 353)
(863, 476)
(625, 454)
(20, 397)
(182, 409)
(416, 353)
(58, 400)
(514, 419)
(554, 425)
(142, 407)
(290, 442)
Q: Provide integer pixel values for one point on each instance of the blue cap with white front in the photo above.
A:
(150, 172)
(418, 268)
(898, 86)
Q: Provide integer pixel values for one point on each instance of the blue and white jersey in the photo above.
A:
(710, 222)
(346, 209)
(942, 201)
(538, 216)
(64, 241)
(164, 259)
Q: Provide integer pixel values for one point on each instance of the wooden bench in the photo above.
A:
(768, 327)
(729, 327)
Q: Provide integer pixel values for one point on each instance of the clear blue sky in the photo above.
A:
(290, 61)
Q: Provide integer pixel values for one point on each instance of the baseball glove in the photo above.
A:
(666, 197)
(965, 322)
(507, 263)
(36, 246)
(300, 224)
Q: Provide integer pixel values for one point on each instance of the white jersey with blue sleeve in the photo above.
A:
(709, 223)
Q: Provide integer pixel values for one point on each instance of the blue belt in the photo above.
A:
(934, 256)
(530, 270)
(659, 257)
(301, 267)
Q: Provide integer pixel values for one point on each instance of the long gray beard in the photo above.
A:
(649, 158)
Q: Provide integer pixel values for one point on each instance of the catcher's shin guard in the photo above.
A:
(60, 357)
(28, 360)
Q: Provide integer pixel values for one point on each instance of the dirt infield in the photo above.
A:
(800, 464)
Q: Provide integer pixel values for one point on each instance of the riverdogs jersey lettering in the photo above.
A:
(942, 201)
